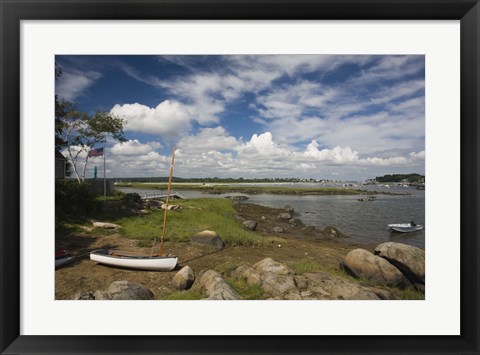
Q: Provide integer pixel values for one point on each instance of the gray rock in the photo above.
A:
(268, 265)
(170, 207)
(275, 278)
(105, 225)
(332, 232)
(183, 279)
(237, 197)
(408, 259)
(102, 295)
(322, 285)
(289, 209)
(278, 229)
(383, 294)
(209, 238)
(284, 216)
(263, 218)
(280, 283)
(126, 290)
(295, 222)
(250, 224)
(84, 296)
(212, 283)
(363, 264)
(247, 273)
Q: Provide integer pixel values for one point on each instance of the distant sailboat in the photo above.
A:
(152, 262)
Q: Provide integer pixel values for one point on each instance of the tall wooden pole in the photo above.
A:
(167, 201)
(104, 177)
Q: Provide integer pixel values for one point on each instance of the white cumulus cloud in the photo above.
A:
(169, 118)
(263, 145)
(336, 155)
(208, 139)
(134, 147)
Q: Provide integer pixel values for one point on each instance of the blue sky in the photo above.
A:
(308, 116)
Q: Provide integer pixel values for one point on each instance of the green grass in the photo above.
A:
(246, 291)
(410, 294)
(185, 295)
(64, 229)
(226, 268)
(194, 216)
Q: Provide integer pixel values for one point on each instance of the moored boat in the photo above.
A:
(405, 227)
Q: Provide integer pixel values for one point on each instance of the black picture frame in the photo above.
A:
(13, 12)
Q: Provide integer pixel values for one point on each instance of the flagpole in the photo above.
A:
(104, 177)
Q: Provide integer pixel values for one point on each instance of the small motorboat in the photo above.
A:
(405, 227)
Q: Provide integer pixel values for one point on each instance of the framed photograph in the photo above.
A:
(285, 146)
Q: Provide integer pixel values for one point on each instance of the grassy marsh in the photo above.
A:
(254, 189)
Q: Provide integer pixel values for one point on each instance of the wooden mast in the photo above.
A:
(167, 201)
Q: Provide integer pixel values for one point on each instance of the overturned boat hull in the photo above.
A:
(154, 263)
(63, 261)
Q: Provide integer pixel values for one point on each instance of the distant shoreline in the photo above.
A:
(254, 188)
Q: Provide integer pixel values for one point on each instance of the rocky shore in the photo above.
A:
(296, 262)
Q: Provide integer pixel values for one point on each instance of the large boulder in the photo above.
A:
(363, 264)
(322, 285)
(248, 273)
(280, 283)
(183, 279)
(212, 284)
(209, 238)
(408, 259)
(126, 290)
(275, 277)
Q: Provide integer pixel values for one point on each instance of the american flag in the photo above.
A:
(95, 152)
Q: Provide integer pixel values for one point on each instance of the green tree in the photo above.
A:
(83, 132)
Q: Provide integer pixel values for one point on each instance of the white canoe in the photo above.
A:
(156, 263)
(405, 227)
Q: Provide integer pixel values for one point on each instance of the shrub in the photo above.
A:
(118, 193)
(73, 198)
(131, 199)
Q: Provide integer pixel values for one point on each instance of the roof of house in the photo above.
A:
(59, 155)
